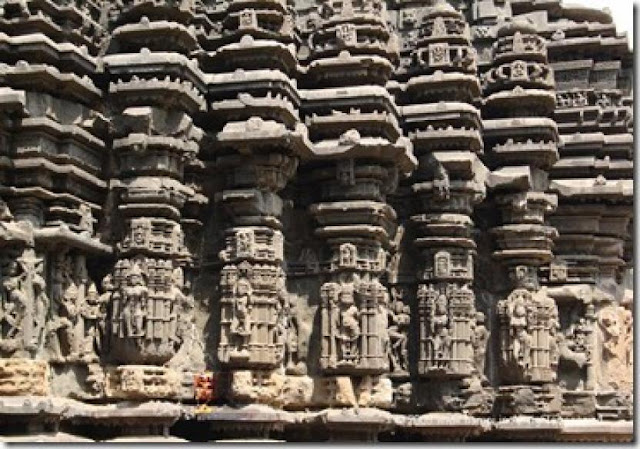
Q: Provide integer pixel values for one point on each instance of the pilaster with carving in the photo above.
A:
(519, 99)
(154, 91)
(354, 125)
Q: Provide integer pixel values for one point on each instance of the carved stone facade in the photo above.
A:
(230, 219)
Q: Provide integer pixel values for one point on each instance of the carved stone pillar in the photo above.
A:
(353, 124)
(445, 129)
(519, 97)
(153, 94)
(256, 142)
(254, 298)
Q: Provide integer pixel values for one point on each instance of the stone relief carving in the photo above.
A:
(529, 323)
(25, 304)
(616, 330)
(398, 329)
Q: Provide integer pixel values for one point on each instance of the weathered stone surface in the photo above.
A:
(20, 377)
(315, 220)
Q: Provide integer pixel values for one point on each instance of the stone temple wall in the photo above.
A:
(315, 220)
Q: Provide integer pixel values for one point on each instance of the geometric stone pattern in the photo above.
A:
(385, 220)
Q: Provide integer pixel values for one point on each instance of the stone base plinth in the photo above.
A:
(141, 382)
(24, 377)
(529, 400)
(302, 392)
(29, 419)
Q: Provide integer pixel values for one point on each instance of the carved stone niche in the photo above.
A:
(528, 337)
(447, 317)
(346, 35)
(252, 335)
(154, 234)
(576, 345)
(361, 257)
(448, 265)
(147, 309)
(258, 243)
(76, 329)
(355, 337)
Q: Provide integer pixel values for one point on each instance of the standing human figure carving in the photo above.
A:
(398, 331)
(349, 329)
(136, 295)
(241, 324)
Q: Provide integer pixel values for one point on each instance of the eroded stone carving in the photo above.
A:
(25, 305)
(616, 331)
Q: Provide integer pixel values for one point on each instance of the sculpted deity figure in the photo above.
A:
(349, 327)
(93, 312)
(554, 331)
(15, 308)
(70, 314)
(480, 338)
(398, 332)
(248, 19)
(439, 27)
(135, 295)
(41, 299)
(178, 301)
(524, 277)
(86, 220)
(382, 315)
(25, 304)
(33, 286)
(293, 361)
(346, 34)
(439, 329)
(140, 231)
(283, 311)
(573, 345)
(616, 330)
(244, 242)
(241, 324)
(518, 328)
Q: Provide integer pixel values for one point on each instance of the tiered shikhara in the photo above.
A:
(415, 206)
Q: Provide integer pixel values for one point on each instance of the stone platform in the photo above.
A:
(61, 420)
